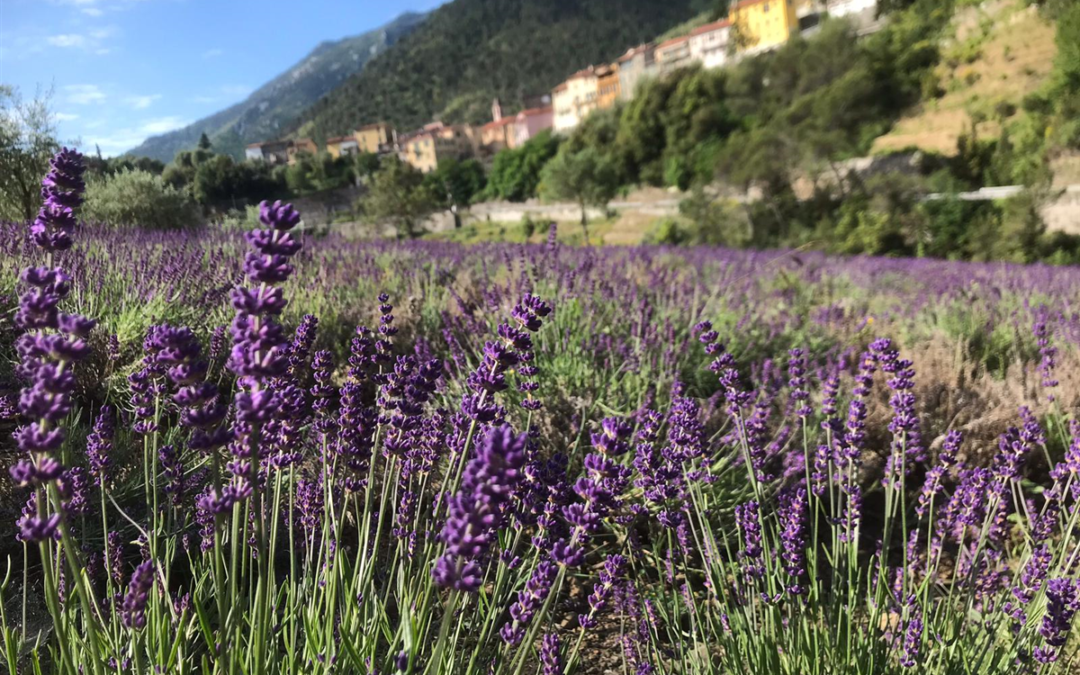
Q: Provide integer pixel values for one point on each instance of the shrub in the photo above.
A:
(139, 198)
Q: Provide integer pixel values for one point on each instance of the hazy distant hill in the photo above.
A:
(469, 51)
(264, 114)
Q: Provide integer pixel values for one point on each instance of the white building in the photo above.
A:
(709, 44)
(846, 7)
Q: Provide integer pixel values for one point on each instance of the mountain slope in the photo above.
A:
(997, 54)
(470, 51)
(263, 114)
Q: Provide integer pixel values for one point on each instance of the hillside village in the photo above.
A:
(751, 27)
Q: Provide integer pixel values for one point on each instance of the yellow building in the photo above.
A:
(761, 25)
(374, 138)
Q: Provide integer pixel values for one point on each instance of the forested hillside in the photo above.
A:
(470, 51)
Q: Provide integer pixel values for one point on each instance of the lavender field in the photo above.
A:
(273, 452)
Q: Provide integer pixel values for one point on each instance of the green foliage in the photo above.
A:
(515, 174)
(27, 142)
(584, 177)
(399, 194)
(456, 182)
(528, 227)
(715, 222)
(96, 164)
(221, 180)
(1065, 84)
(366, 164)
(315, 173)
(138, 198)
(471, 51)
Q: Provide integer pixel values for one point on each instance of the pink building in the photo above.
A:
(531, 122)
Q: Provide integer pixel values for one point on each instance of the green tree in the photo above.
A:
(459, 180)
(204, 142)
(138, 198)
(515, 174)
(221, 181)
(366, 164)
(398, 194)
(584, 177)
(315, 173)
(27, 141)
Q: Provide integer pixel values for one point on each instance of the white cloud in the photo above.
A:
(121, 140)
(114, 143)
(65, 117)
(67, 40)
(94, 41)
(213, 53)
(92, 11)
(84, 94)
(141, 102)
(162, 125)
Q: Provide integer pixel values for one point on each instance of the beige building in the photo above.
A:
(574, 99)
(673, 54)
(425, 148)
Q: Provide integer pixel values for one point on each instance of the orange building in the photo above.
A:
(608, 86)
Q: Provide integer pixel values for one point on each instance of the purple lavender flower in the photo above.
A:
(746, 518)
(612, 438)
(614, 569)
(52, 344)
(550, 659)
(62, 190)
(133, 609)
(528, 602)
(912, 636)
(932, 486)
(1048, 352)
(1062, 603)
(793, 537)
(99, 445)
(302, 342)
(797, 382)
(476, 511)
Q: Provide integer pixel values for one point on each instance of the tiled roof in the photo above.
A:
(537, 111)
(501, 123)
(708, 28)
(672, 42)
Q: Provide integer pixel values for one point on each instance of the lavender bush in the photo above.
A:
(576, 462)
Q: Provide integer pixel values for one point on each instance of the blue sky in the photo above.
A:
(123, 70)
